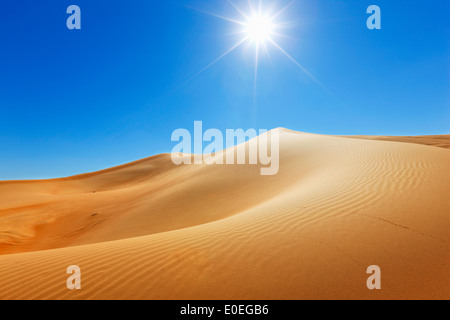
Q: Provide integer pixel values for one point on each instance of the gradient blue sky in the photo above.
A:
(74, 101)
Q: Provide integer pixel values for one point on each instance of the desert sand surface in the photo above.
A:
(442, 141)
(154, 230)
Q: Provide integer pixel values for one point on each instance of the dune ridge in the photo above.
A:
(153, 230)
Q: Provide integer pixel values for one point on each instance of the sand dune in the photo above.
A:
(442, 141)
(153, 230)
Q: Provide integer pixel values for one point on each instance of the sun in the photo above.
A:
(259, 28)
(260, 25)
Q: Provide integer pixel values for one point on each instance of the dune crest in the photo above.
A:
(153, 230)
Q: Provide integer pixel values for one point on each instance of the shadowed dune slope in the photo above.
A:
(153, 230)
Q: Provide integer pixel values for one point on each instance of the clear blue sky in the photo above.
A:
(74, 101)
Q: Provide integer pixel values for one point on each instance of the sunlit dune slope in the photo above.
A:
(442, 141)
(153, 230)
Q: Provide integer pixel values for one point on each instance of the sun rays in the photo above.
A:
(261, 27)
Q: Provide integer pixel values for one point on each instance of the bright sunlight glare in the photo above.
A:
(259, 28)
